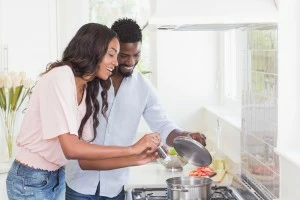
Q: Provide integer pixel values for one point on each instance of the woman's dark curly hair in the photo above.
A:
(83, 54)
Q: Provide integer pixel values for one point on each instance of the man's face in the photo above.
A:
(128, 57)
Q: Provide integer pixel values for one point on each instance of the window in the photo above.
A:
(259, 128)
(234, 42)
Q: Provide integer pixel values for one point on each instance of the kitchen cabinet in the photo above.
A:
(28, 35)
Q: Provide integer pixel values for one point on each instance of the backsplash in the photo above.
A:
(260, 164)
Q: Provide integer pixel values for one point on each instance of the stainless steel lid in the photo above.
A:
(193, 151)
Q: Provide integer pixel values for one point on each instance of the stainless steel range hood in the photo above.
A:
(199, 15)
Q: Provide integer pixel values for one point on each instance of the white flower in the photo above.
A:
(22, 75)
(28, 82)
(16, 81)
(2, 80)
(12, 74)
(12, 95)
(8, 82)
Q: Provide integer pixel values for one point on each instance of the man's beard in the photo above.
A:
(125, 72)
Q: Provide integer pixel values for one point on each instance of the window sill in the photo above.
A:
(226, 114)
(291, 155)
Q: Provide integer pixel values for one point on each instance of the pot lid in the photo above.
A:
(193, 151)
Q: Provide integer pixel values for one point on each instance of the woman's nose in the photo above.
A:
(115, 62)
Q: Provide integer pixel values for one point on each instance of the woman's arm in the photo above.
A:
(120, 162)
(74, 148)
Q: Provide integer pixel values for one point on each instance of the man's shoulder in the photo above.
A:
(139, 78)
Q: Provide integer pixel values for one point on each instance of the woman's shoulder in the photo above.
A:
(64, 70)
(60, 73)
(58, 76)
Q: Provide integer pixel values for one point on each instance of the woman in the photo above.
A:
(61, 118)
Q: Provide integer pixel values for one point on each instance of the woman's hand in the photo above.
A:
(145, 157)
(148, 143)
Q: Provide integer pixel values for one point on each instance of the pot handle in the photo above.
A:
(180, 189)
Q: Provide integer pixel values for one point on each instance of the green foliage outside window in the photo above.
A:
(263, 58)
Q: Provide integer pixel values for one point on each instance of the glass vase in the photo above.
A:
(8, 126)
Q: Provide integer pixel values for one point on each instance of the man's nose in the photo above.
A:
(131, 61)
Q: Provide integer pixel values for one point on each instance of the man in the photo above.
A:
(131, 97)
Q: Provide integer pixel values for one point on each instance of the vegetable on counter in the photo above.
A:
(202, 171)
(172, 151)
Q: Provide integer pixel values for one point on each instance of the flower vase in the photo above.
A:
(14, 89)
(8, 125)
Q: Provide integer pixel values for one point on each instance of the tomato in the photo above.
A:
(202, 171)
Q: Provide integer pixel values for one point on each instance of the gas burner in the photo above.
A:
(150, 194)
(221, 193)
(218, 193)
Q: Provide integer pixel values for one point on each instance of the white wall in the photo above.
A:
(26, 30)
(289, 72)
(289, 98)
(72, 14)
(289, 179)
(230, 134)
(186, 74)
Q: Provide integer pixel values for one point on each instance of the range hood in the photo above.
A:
(198, 15)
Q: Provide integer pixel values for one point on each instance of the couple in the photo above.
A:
(62, 119)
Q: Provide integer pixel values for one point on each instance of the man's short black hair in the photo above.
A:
(127, 30)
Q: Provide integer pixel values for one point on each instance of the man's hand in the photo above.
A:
(195, 135)
(198, 137)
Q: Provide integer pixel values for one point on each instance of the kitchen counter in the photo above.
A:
(155, 174)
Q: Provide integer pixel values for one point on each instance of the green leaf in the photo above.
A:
(2, 98)
(16, 96)
(10, 96)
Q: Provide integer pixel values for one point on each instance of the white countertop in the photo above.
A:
(155, 175)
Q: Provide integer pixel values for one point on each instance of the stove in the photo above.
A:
(218, 193)
(149, 194)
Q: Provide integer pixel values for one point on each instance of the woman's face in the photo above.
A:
(109, 61)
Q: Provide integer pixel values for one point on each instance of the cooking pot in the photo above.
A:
(189, 188)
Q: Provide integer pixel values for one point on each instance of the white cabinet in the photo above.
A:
(28, 30)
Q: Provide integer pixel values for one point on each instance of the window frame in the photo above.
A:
(231, 47)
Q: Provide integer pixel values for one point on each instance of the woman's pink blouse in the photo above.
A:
(52, 111)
